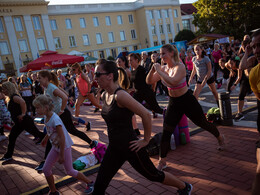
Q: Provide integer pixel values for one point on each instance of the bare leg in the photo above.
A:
(213, 89)
(79, 101)
(197, 90)
(50, 181)
(171, 180)
(256, 186)
(240, 104)
(83, 178)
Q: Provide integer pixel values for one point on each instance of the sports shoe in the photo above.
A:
(5, 159)
(40, 166)
(221, 144)
(76, 123)
(88, 126)
(239, 117)
(219, 85)
(7, 127)
(93, 144)
(90, 188)
(2, 138)
(155, 115)
(96, 110)
(186, 191)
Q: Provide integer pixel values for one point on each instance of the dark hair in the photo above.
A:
(203, 53)
(135, 56)
(255, 33)
(109, 67)
(222, 60)
(123, 58)
(236, 60)
(123, 78)
(45, 73)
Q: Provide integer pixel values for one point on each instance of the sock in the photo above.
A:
(80, 120)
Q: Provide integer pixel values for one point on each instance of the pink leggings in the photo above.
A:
(53, 157)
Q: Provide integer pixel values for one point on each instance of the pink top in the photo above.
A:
(216, 55)
(189, 63)
(82, 85)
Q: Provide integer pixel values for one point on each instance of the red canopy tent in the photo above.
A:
(51, 60)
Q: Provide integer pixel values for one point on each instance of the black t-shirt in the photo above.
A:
(37, 87)
(14, 109)
(138, 77)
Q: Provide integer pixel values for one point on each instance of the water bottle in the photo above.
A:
(173, 146)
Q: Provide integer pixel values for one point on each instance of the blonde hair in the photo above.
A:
(42, 101)
(123, 79)
(172, 48)
(10, 89)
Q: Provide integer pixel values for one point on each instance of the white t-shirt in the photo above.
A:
(52, 133)
(57, 101)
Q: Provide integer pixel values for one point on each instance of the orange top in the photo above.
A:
(82, 85)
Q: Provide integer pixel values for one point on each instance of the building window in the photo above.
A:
(101, 54)
(153, 30)
(166, 13)
(170, 40)
(18, 24)
(175, 13)
(155, 43)
(122, 35)
(36, 23)
(168, 26)
(113, 52)
(72, 41)
(111, 37)
(151, 14)
(85, 40)
(82, 23)
(159, 14)
(68, 23)
(178, 27)
(53, 25)
(163, 42)
(108, 21)
(95, 21)
(124, 48)
(186, 24)
(1, 26)
(130, 18)
(135, 47)
(4, 48)
(23, 45)
(57, 43)
(41, 44)
(119, 20)
(133, 34)
(99, 38)
(161, 29)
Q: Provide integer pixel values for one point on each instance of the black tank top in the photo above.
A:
(138, 77)
(14, 108)
(119, 124)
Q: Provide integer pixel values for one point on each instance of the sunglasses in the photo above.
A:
(98, 74)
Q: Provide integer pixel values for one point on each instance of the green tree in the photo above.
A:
(233, 17)
(184, 35)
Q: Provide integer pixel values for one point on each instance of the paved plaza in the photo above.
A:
(198, 162)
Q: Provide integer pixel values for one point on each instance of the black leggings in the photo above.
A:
(68, 123)
(245, 88)
(26, 124)
(28, 100)
(186, 104)
(149, 96)
(115, 158)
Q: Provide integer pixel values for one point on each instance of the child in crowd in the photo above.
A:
(5, 116)
(61, 144)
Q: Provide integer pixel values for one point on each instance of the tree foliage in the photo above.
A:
(184, 35)
(234, 17)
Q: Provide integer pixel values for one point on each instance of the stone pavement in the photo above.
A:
(210, 171)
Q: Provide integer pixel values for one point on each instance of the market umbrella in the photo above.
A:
(75, 53)
(51, 60)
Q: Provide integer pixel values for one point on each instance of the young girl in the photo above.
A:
(5, 117)
(61, 144)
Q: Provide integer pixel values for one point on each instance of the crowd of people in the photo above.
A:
(123, 89)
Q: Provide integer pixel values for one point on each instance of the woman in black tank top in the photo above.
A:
(117, 111)
(22, 121)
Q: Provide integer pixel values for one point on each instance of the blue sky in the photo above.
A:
(100, 1)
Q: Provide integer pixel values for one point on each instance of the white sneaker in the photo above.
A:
(26, 133)
(2, 138)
